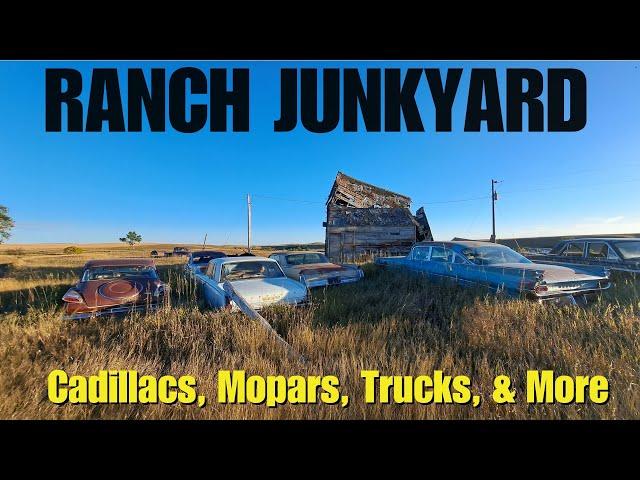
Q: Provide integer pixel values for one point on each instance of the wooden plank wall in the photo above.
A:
(349, 244)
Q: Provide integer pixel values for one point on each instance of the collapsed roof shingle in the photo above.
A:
(359, 217)
(351, 192)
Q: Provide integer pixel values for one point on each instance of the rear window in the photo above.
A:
(306, 258)
(106, 272)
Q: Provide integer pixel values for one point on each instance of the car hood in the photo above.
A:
(118, 291)
(552, 273)
(260, 292)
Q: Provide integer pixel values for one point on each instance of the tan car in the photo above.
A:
(315, 270)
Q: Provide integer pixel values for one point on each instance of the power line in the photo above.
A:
(295, 200)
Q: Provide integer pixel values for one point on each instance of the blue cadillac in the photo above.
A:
(497, 267)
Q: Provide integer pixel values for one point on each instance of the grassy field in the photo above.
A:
(398, 324)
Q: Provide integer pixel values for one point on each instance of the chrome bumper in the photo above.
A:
(329, 281)
(116, 311)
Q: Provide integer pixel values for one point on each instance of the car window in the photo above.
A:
(574, 249)
(108, 272)
(493, 255)
(420, 253)
(440, 254)
(598, 250)
(458, 259)
(306, 258)
(629, 250)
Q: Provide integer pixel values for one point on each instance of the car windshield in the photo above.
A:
(629, 250)
(107, 272)
(306, 258)
(491, 255)
(253, 269)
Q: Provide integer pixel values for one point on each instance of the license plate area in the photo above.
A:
(333, 280)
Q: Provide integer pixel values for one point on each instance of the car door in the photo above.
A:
(601, 253)
(214, 296)
(419, 258)
(573, 252)
(439, 267)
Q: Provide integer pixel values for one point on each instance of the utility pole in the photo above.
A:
(249, 222)
(205, 241)
(494, 197)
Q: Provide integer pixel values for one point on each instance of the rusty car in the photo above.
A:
(502, 270)
(620, 254)
(314, 269)
(258, 280)
(115, 287)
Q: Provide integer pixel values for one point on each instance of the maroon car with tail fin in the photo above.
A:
(115, 287)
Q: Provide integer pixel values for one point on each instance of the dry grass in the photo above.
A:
(391, 322)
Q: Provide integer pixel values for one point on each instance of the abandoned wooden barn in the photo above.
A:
(364, 220)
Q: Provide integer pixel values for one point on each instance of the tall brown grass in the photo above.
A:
(398, 324)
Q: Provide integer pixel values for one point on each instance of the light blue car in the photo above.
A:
(497, 267)
(259, 281)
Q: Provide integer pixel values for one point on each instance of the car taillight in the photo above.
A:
(541, 288)
(72, 296)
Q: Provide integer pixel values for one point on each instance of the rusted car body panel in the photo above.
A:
(620, 254)
(115, 287)
(314, 270)
(463, 263)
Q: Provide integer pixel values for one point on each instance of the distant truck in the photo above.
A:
(176, 252)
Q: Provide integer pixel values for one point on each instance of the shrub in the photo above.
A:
(73, 250)
(15, 251)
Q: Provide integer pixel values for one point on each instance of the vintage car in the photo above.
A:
(622, 254)
(315, 270)
(497, 267)
(199, 260)
(260, 281)
(115, 287)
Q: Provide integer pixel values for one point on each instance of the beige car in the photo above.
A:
(315, 270)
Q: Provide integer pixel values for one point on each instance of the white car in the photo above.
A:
(315, 270)
(260, 281)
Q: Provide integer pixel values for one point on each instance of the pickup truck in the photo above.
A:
(260, 281)
(499, 268)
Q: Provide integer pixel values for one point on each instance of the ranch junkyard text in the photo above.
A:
(384, 98)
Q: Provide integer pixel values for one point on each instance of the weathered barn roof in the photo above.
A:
(359, 217)
(351, 192)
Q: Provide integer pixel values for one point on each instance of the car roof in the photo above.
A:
(460, 243)
(287, 252)
(121, 262)
(603, 239)
(223, 260)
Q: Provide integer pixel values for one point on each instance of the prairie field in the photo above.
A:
(396, 323)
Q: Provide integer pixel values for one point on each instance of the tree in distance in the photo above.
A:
(131, 238)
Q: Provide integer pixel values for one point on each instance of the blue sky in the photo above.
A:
(174, 187)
